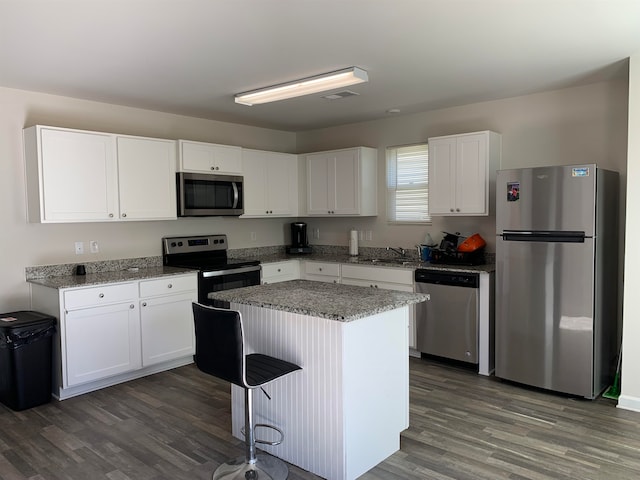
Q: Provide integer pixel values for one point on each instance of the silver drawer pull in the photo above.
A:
(144, 304)
(101, 295)
(169, 286)
(132, 306)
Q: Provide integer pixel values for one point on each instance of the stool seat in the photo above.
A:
(262, 369)
(220, 352)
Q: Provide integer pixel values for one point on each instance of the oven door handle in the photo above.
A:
(218, 273)
(236, 196)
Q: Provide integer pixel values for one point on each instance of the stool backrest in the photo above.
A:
(219, 343)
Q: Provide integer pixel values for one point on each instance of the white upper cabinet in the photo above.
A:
(146, 178)
(462, 171)
(342, 182)
(270, 184)
(202, 157)
(72, 175)
(79, 176)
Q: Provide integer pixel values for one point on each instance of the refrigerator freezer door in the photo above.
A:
(544, 314)
(547, 198)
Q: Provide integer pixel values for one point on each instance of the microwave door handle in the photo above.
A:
(235, 195)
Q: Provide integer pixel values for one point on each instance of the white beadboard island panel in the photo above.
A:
(343, 413)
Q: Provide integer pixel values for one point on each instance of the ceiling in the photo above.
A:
(191, 56)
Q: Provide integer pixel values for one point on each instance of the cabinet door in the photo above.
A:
(210, 157)
(320, 184)
(146, 177)
(100, 342)
(167, 328)
(282, 184)
(442, 158)
(255, 184)
(78, 177)
(471, 174)
(270, 184)
(347, 182)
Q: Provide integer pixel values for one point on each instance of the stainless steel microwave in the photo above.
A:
(208, 194)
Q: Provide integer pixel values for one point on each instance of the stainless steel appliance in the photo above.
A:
(556, 277)
(208, 255)
(299, 239)
(447, 323)
(208, 194)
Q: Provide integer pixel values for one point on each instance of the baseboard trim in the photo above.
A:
(628, 402)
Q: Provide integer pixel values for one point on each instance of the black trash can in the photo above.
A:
(25, 359)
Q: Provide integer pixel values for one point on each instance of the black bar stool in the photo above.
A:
(220, 352)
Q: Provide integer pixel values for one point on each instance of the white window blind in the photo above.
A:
(408, 184)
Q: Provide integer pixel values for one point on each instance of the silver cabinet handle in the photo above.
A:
(213, 168)
(278, 269)
(320, 269)
(124, 215)
(132, 306)
(144, 304)
(170, 286)
(457, 209)
(111, 215)
(101, 295)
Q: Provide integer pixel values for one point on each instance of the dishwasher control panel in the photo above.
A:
(456, 279)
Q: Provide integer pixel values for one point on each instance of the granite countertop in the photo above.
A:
(397, 262)
(100, 278)
(333, 301)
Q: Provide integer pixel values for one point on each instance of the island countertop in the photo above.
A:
(333, 301)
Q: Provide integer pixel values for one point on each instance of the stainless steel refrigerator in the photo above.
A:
(556, 277)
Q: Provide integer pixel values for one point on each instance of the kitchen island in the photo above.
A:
(343, 413)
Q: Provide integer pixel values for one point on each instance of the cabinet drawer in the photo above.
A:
(322, 268)
(103, 295)
(378, 274)
(289, 269)
(168, 285)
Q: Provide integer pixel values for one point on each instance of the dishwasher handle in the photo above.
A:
(454, 279)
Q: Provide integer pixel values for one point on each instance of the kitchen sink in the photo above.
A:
(397, 261)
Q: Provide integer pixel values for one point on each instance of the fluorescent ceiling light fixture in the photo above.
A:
(305, 86)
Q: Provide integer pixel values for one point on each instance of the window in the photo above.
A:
(408, 184)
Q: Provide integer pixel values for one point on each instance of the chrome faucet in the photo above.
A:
(400, 251)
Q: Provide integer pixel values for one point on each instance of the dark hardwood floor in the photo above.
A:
(176, 424)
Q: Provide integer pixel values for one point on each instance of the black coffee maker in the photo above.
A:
(299, 240)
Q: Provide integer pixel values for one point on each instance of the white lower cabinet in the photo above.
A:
(166, 319)
(112, 333)
(387, 278)
(101, 342)
(280, 271)
(321, 271)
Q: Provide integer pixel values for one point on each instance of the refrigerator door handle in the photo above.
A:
(543, 236)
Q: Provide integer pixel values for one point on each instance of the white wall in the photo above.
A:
(630, 395)
(586, 124)
(25, 244)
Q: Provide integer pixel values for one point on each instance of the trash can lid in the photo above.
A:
(23, 318)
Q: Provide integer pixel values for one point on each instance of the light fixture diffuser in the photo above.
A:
(305, 86)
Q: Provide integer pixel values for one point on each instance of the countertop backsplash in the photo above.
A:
(43, 271)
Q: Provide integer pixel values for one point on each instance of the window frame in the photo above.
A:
(391, 162)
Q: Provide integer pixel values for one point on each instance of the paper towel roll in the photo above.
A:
(353, 242)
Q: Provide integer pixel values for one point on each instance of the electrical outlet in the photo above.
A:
(316, 233)
(253, 236)
(93, 246)
(361, 235)
(79, 248)
(369, 235)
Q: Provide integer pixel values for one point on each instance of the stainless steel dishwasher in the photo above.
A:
(447, 323)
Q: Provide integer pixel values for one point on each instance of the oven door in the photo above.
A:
(214, 281)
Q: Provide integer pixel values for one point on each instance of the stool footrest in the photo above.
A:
(266, 442)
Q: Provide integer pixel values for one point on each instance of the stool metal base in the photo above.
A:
(266, 467)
